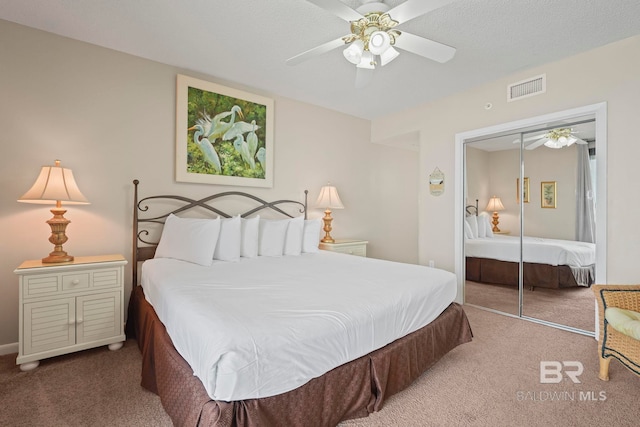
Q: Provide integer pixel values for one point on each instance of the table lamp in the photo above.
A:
(328, 199)
(55, 185)
(495, 205)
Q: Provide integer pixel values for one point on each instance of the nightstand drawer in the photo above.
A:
(359, 250)
(351, 247)
(41, 285)
(74, 282)
(106, 278)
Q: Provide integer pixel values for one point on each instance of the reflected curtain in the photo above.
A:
(585, 207)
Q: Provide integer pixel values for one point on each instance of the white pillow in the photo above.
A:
(293, 239)
(473, 223)
(271, 237)
(482, 227)
(467, 230)
(311, 235)
(228, 248)
(249, 233)
(486, 218)
(189, 239)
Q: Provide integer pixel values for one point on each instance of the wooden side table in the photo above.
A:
(69, 306)
(352, 247)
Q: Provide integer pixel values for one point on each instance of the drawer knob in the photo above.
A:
(75, 282)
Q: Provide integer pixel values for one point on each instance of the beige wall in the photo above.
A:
(111, 118)
(608, 74)
(496, 172)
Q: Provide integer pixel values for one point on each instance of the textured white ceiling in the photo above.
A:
(248, 41)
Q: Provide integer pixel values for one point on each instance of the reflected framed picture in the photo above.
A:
(548, 194)
(223, 135)
(525, 190)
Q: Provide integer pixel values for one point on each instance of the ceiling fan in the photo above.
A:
(555, 138)
(374, 35)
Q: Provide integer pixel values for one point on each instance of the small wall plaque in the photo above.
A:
(436, 182)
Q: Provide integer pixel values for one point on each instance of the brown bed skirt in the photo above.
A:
(485, 270)
(352, 390)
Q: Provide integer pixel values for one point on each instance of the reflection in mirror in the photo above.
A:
(559, 224)
(492, 258)
(544, 177)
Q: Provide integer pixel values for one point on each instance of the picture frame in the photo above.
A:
(548, 194)
(224, 136)
(525, 185)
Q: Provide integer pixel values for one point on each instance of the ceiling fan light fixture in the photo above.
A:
(388, 56)
(553, 143)
(367, 61)
(353, 53)
(379, 42)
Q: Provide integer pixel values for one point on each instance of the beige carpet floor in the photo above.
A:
(492, 381)
(573, 307)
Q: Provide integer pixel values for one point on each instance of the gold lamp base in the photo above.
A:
(58, 237)
(495, 221)
(327, 227)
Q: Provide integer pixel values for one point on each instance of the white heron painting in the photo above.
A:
(226, 138)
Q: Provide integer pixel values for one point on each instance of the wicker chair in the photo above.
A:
(612, 343)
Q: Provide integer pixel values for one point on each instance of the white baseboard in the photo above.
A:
(8, 348)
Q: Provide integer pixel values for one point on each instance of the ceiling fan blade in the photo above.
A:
(363, 77)
(413, 8)
(318, 50)
(424, 47)
(580, 141)
(338, 8)
(536, 144)
(529, 138)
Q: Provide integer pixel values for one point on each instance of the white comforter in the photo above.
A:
(264, 326)
(535, 250)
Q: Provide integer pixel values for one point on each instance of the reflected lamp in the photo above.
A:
(495, 205)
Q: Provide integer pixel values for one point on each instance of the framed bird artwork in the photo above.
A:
(223, 135)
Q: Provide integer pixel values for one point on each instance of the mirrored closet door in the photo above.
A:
(529, 222)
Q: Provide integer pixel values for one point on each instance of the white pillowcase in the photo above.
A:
(467, 230)
(293, 239)
(249, 234)
(271, 237)
(189, 239)
(228, 248)
(311, 235)
(473, 223)
(482, 227)
(486, 218)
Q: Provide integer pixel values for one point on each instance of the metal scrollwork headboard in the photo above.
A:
(144, 246)
(472, 209)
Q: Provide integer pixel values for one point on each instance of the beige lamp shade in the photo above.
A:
(495, 204)
(329, 199)
(54, 184)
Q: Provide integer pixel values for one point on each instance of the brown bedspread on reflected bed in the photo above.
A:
(352, 390)
(485, 270)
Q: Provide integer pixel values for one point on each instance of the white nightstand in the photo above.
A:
(70, 306)
(352, 247)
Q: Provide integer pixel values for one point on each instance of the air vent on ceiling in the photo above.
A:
(525, 88)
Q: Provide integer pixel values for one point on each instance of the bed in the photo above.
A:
(297, 354)
(547, 263)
